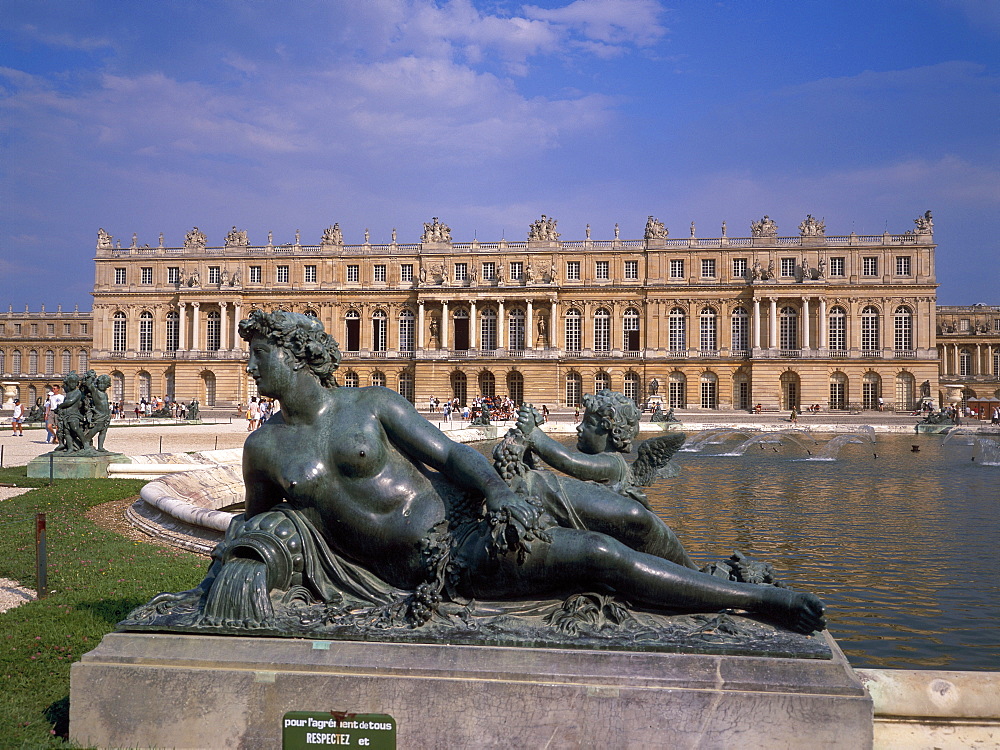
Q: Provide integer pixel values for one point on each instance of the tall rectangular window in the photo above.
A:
(379, 273)
(173, 274)
(739, 268)
(903, 265)
(631, 270)
(310, 274)
(740, 330)
(406, 272)
(255, 274)
(837, 267)
(489, 271)
(34, 329)
(146, 275)
(50, 329)
(677, 269)
(869, 265)
(120, 276)
(602, 270)
(708, 268)
(602, 331)
(214, 274)
(516, 270)
(66, 329)
(461, 271)
(573, 270)
(572, 324)
(84, 328)
(282, 274)
(787, 267)
(353, 274)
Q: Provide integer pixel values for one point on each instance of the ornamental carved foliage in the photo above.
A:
(811, 227)
(332, 236)
(237, 238)
(766, 227)
(195, 240)
(655, 230)
(436, 232)
(543, 230)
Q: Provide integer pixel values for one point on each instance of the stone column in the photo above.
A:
(195, 322)
(237, 317)
(223, 325)
(445, 344)
(978, 368)
(420, 324)
(772, 337)
(554, 325)
(529, 327)
(472, 324)
(500, 324)
(181, 326)
(805, 323)
(822, 343)
(756, 322)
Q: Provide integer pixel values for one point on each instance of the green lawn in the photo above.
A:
(95, 577)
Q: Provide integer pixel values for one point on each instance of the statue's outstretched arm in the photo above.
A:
(598, 467)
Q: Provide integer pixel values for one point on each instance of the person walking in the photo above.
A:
(794, 418)
(17, 419)
(253, 414)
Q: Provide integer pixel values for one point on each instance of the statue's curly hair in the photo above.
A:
(302, 335)
(619, 417)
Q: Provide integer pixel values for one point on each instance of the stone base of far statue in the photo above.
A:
(182, 690)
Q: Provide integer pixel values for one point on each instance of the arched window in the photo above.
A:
(352, 326)
(407, 343)
(119, 333)
(677, 330)
(378, 378)
(709, 340)
(631, 387)
(837, 332)
(602, 330)
(574, 389)
(871, 389)
(602, 381)
(146, 331)
(677, 390)
(790, 390)
(630, 330)
(838, 391)
(173, 331)
(67, 362)
(380, 327)
(33, 362)
(460, 387)
(50, 362)
(311, 313)
(740, 330)
(84, 361)
(487, 384)
(515, 327)
(741, 391)
(903, 329)
(488, 330)
(117, 386)
(709, 390)
(965, 363)
(869, 329)
(15, 362)
(572, 329)
(213, 331)
(788, 332)
(406, 389)
(144, 385)
(515, 386)
(905, 390)
(169, 384)
(350, 379)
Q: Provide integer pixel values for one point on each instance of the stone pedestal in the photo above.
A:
(74, 466)
(187, 691)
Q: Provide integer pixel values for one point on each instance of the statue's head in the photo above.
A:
(619, 417)
(302, 336)
(71, 381)
(103, 382)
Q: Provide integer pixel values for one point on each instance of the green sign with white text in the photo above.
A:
(308, 729)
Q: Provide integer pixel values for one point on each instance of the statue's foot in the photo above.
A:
(796, 610)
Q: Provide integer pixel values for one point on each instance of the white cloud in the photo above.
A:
(65, 41)
(613, 22)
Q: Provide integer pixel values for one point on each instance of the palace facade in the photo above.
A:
(724, 322)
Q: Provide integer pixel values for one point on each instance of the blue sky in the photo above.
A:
(154, 117)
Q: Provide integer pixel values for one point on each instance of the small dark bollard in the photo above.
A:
(41, 563)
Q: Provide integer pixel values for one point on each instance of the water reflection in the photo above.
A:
(901, 547)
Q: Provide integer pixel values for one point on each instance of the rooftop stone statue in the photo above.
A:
(362, 518)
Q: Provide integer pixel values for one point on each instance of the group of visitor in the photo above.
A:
(259, 410)
(498, 407)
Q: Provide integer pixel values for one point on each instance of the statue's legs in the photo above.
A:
(576, 561)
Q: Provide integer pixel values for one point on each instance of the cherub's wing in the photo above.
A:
(653, 456)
